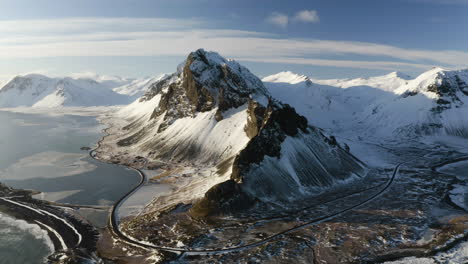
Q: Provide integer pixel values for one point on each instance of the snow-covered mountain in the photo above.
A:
(286, 77)
(213, 111)
(389, 82)
(41, 91)
(325, 106)
(389, 106)
(435, 103)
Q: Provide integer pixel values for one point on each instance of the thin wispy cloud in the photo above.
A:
(89, 24)
(307, 16)
(380, 65)
(278, 19)
(138, 37)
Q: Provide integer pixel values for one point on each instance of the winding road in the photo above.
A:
(114, 226)
(41, 216)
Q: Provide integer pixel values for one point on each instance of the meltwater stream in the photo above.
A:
(42, 153)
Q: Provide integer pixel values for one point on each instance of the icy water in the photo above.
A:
(42, 153)
(21, 242)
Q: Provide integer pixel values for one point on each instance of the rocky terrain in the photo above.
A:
(255, 180)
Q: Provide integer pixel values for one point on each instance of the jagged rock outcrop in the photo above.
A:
(205, 81)
(446, 88)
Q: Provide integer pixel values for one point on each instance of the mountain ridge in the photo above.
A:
(36, 90)
(430, 104)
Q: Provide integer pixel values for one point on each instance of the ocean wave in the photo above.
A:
(8, 225)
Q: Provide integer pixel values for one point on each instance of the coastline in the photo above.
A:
(72, 238)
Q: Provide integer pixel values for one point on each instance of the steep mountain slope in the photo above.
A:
(215, 112)
(41, 91)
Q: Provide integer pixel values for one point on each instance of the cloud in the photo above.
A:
(278, 19)
(90, 24)
(162, 37)
(307, 16)
(304, 16)
(381, 65)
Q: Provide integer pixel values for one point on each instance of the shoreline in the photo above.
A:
(70, 236)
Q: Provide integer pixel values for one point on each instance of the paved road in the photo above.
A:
(114, 227)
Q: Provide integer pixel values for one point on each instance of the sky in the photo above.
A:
(318, 38)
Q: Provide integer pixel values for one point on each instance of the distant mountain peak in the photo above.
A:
(286, 77)
(398, 74)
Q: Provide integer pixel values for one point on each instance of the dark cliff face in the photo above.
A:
(223, 199)
(205, 82)
(253, 177)
(267, 127)
(277, 121)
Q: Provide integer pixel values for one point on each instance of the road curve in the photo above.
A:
(42, 215)
(114, 227)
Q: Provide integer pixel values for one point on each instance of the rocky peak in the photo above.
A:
(449, 87)
(203, 82)
(446, 88)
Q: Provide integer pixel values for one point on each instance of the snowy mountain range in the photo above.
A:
(388, 106)
(389, 82)
(34, 90)
(383, 106)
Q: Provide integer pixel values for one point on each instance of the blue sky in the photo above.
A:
(322, 39)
